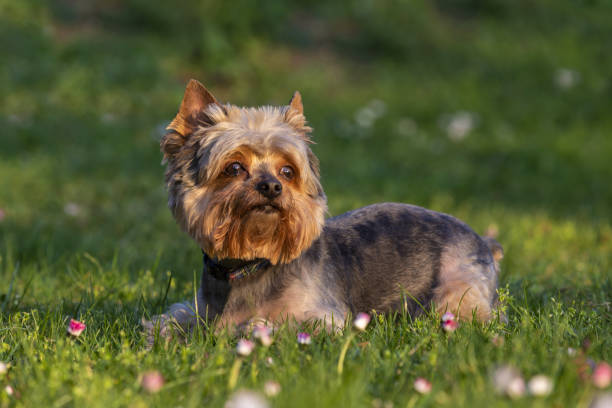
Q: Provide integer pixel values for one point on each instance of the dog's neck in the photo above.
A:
(231, 270)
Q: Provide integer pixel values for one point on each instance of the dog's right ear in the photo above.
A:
(195, 100)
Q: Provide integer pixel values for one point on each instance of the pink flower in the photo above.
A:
(244, 347)
(263, 333)
(152, 381)
(422, 386)
(304, 338)
(361, 321)
(449, 323)
(75, 328)
(602, 375)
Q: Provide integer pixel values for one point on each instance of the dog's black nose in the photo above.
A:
(269, 187)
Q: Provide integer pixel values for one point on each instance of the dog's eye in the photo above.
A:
(286, 172)
(234, 169)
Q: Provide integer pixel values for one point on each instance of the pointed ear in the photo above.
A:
(296, 102)
(196, 99)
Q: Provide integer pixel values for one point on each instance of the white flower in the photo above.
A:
(406, 127)
(540, 385)
(507, 380)
(73, 209)
(246, 399)
(516, 388)
(272, 388)
(422, 386)
(366, 116)
(566, 78)
(458, 125)
(3, 368)
(244, 347)
(361, 321)
(263, 333)
(602, 401)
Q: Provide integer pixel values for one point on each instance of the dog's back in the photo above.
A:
(391, 256)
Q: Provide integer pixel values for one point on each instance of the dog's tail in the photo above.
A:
(496, 250)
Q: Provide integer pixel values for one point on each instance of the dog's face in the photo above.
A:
(243, 181)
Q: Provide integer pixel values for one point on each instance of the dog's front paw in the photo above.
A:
(174, 324)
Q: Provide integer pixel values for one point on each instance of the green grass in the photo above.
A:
(86, 89)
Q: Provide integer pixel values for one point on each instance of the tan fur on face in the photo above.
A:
(217, 210)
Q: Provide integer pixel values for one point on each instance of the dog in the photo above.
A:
(245, 185)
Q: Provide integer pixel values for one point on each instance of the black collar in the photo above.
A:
(231, 270)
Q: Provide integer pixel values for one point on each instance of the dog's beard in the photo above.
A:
(236, 223)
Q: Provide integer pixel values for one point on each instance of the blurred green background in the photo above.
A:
(495, 111)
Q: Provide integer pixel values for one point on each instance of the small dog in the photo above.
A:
(244, 184)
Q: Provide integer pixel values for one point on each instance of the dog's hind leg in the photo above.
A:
(467, 280)
(463, 299)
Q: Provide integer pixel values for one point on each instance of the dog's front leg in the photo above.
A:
(179, 320)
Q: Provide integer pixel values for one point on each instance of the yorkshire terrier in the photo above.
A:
(244, 184)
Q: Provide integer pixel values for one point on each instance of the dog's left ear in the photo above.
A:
(296, 102)
(196, 99)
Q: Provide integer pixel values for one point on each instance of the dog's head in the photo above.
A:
(243, 181)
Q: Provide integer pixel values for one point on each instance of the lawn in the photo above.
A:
(496, 112)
